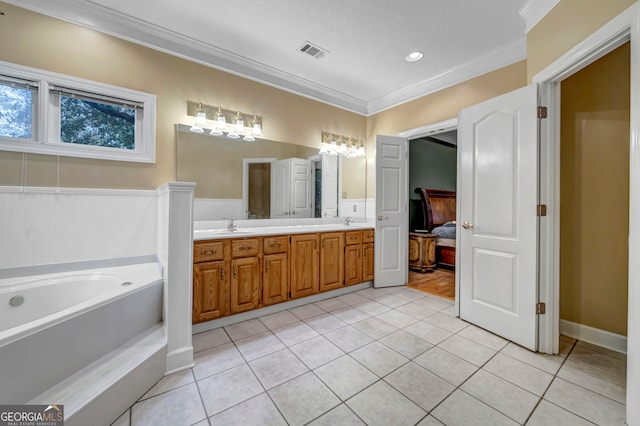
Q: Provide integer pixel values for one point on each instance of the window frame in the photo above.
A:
(45, 137)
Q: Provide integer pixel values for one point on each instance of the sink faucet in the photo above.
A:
(231, 226)
(348, 221)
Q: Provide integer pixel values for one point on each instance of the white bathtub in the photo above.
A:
(65, 323)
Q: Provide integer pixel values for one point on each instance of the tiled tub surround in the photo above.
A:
(392, 356)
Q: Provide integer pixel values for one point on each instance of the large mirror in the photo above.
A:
(266, 179)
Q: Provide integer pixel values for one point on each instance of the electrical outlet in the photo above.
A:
(355, 208)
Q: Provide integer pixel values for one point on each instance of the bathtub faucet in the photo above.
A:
(231, 226)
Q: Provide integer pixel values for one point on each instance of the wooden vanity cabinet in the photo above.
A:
(275, 274)
(368, 255)
(331, 261)
(246, 279)
(211, 285)
(304, 265)
(353, 257)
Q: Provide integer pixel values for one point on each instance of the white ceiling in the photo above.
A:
(367, 40)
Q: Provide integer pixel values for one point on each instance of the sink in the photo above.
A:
(220, 232)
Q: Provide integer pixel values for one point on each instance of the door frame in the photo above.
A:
(430, 130)
(245, 181)
(625, 27)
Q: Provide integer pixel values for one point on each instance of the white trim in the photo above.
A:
(430, 129)
(45, 135)
(620, 29)
(534, 10)
(79, 191)
(245, 181)
(606, 339)
(102, 19)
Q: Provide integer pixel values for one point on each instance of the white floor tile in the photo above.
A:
(585, 403)
(396, 318)
(345, 376)
(434, 303)
(259, 345)
(380, 404)
(316, 352)
(215, 360)
(512, 401)
(417, 311)
(447, 322)
(462, 409)
(348, 338)
(379, 358)
(303, 399)
(372, 307)
(228, 388)
(169, 382)
(519, 373)
(352, 299)
(549, 363)
(257, 411)
(419, 385)
(180, 406)
(295, 333)
(330, 305)
(124, 419)
(446, 365)
(468, 350)
(374, 327)
(341, 415)
(245, 329)
(547, 414)
(307, 311)
(429, 421)
(406, 344)
(278, 319)
(209, 339)
(350, 314)
(325, 323)
(277, 368)
(483, 337)
(428, 332)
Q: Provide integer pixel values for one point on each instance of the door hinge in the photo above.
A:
(542, 112)
(541, 308)
(542, 210)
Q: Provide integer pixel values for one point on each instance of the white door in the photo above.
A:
(497, 193)
(300, 188)
(392, 216)
(329, 185)
(280, 194)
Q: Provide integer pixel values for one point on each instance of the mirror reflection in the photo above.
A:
(268, 179)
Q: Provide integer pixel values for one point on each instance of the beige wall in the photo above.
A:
(566, 25)
(594, 193)
(46, 43)
(440, 106)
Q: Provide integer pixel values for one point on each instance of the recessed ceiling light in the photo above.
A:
(414, 56)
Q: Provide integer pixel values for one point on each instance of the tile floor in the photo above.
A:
(393, 356)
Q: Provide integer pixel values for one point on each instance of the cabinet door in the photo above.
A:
(210, 290)
(367, 262)
(353, 264)
(331, 261)
(275, 279)
(245, 284)
(303, 256)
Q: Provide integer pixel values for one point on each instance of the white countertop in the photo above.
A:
(211, 230)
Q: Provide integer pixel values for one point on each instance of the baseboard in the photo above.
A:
(606, 339)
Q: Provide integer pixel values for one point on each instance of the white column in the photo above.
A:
(175, 252)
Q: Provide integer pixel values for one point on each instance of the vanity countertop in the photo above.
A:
(212, 233)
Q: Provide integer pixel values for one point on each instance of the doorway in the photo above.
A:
(432, 167)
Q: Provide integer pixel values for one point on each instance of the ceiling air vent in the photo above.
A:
(313, 50)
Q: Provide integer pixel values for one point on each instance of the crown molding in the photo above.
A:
(534, 10)
(514, 52)
(102, 19)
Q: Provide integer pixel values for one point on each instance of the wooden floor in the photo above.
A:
(440, 282)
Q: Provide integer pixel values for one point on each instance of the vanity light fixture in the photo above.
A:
(223, 121)
(341, 145)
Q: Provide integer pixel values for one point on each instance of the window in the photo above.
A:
(48, 113)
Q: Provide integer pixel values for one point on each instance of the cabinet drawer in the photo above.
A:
(367, 236)
(245, 247)
(353, 237)
(206, 251)
(276, 244)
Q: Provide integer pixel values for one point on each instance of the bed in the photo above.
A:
(438, 218)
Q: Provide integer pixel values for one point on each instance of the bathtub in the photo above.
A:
(55, 328)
